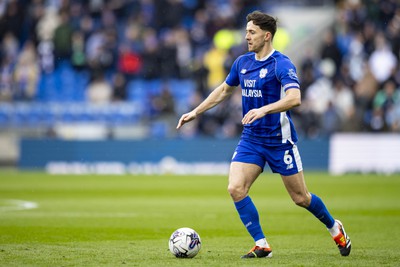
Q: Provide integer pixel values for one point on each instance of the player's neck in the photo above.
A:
(264, 52)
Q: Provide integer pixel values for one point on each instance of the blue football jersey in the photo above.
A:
(264, 82)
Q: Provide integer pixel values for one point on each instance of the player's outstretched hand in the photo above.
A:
(186, 118)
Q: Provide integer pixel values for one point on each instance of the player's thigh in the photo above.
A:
(242, 175)
(296, 187)
(283, 159)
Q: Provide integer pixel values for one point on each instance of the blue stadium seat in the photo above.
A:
(64, 84)
(159, 129)
(137, 90)
(47, 88)
(182, 90)
(5, 114)
(154, 86)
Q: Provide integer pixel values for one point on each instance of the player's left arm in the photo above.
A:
(290, 100)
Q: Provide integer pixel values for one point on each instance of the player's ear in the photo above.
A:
(268, 36)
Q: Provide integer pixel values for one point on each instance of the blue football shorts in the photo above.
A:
(281, 158)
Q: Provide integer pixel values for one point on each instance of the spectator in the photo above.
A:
(364, 91)
(129, 62)
(377, 121)
(330, 49)
(330, 122)
(95, 46)
(150, 56)
(62, 38)
(26, 74)
(47, 24)
(357, 58)
(12, 20)
(393, 118)
(6, 80)
(320, 93)
(387, 97)
(382, 61)
(9, 47)
(78, 56)
(8, 56)
(343, 102)
(163, 104)
(99, 91)
(168, 57)
(317, 99)
(162, 112)
(214, 61)
(184, 52)
(46, 56)
(368, 33)
(119, 87)
(394, 34)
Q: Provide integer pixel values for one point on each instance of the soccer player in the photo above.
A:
(270, 88)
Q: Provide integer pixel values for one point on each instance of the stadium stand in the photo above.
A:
(53, 51)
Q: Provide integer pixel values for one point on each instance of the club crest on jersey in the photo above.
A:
(263, 73)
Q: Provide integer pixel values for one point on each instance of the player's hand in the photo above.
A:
(253, 115)
(186, 118)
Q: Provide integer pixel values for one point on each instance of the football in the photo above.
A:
(184, 243)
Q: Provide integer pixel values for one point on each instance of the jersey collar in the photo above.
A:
(266, 57)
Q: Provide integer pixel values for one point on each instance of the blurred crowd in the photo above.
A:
(352, 83)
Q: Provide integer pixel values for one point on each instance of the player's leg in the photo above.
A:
(287, 162)
(241, 177)
(295, 185)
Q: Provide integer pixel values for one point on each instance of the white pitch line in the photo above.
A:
(16, 204)
(81, 215)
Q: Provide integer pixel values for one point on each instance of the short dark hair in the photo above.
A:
(264, 21)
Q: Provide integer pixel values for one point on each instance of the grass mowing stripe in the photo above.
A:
(127, 220)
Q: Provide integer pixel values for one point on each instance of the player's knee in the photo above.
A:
(237, 192)
(301, 201)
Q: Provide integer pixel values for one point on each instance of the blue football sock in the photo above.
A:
(317, 207)
(249, 216)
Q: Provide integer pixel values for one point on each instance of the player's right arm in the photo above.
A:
(218, 95)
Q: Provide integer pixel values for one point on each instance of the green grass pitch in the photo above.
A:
(94, 220)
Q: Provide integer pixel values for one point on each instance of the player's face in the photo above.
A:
(255, 37)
